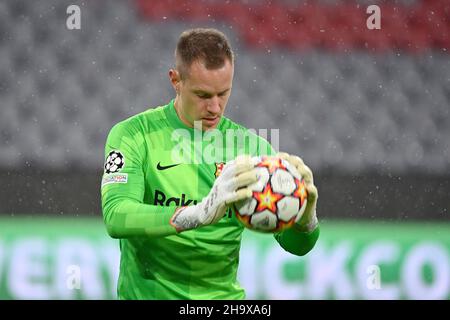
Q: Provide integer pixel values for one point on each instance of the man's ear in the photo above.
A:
(175, 79)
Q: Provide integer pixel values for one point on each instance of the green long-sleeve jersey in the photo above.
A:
(154, 164)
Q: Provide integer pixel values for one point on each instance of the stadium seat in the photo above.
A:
(340, 106)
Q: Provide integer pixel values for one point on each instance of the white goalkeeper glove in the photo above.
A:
(308, 222)
(230, 186)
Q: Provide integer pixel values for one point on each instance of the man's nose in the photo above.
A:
(214, 105)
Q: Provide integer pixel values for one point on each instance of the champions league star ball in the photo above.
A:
(279, 197)
(114, 162)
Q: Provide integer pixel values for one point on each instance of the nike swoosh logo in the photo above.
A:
(160, 167)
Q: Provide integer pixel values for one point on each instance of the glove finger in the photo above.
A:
(228, 168)
(238, 195)
(243, 163)
(246, 178)
(240, 164)
(296, 161)
(242, 158)
(306, 174)
(283, 155)
(309, 174)
(313, 193)
(255, 160)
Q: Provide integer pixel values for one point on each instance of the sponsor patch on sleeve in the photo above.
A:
(114, 178)
(115, 161)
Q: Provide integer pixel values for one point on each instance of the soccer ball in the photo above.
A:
(279, 197)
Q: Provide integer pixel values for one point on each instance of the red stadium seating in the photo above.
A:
(339, 27)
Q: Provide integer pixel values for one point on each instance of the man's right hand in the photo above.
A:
(232, 185)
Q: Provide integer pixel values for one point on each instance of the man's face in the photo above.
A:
(203, 94)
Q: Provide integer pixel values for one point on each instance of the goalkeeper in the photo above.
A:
(178, 238)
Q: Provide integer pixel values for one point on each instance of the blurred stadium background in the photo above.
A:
(368, 110)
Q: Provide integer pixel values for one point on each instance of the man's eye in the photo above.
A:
(202, 96)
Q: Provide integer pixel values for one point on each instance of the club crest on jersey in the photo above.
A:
(219, 167)
(114, 162)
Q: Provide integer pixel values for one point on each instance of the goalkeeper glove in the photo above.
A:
(308, 222)
(230, 186)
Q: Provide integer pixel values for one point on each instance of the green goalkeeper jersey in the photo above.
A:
(154, 164)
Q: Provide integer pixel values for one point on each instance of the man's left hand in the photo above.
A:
(308, 222)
